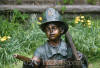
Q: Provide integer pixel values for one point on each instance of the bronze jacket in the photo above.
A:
(60, 52)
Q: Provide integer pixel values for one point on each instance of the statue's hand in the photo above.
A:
(15, 55)
(80, 55)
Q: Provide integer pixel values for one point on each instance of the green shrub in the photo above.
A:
(86, 38)
(68, 1)
(91, 2)
(24, 37)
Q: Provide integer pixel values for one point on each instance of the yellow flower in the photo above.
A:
(40, 18)
(4, 38)
(79, 20)
(76, 22)
(39, 23)
(89, 24)
(82, 20)
(82, 16)
(78, 17)
(88, 21)
(8, 37)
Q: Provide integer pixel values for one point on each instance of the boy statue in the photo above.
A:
(55, 50)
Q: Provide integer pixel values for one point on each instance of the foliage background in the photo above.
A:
(26, 36)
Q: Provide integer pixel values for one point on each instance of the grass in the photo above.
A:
(94, 63)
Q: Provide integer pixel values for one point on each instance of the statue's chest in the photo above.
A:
(56, 53)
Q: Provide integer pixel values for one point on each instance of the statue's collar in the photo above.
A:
(59, 49)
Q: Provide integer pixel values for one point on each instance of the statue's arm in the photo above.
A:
(35, 60)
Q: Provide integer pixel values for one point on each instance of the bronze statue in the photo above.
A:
(55, 53)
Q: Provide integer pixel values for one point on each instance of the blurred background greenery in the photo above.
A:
(20, 34)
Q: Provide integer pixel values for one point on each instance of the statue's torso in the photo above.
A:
(49, 52)
(54, 57)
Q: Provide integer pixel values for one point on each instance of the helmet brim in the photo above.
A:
(62, 24)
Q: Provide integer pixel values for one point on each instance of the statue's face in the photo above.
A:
(52, 31)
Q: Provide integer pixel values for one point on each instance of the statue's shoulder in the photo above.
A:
(41, 48)
(64, 44)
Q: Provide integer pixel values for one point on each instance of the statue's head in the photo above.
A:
(53, 24)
